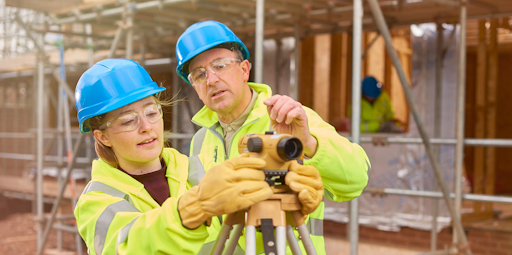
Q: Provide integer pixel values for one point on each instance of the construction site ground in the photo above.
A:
(18, 235)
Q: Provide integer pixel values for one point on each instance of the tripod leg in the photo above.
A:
(221, 239)
(233, 239)
(306, 240)
(250, 240)
(281, 240)
(294, 244)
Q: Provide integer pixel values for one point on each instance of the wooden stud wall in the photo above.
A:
(325, 72)
(487, 113)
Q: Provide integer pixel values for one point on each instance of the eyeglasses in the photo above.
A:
(218, 67)
(130, 121)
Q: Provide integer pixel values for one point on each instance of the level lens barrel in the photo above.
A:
(289, 148)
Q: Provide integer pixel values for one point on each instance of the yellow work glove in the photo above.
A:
(234, 185)
(307, 183)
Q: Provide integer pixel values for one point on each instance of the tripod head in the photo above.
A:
(278, 150)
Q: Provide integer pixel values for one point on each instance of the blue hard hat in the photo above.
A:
(371, 87)
(201, 37)
(108, 85)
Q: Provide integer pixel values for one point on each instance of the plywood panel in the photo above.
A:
(376, 57)
(403, 48)
(339, 68)
(321, 79)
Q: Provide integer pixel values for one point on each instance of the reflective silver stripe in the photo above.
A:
(195, 170)
(123, 234)
(221, 137)
(315, 227)
(99, 186)
(105, 219)
(198, 141)
(207, 248)
(328, 194)
(195, 166)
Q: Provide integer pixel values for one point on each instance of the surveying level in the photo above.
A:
(279, 213)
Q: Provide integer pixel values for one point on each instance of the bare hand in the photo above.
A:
(287, 116)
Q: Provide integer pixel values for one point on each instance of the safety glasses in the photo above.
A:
(199, 76)
(131, 120)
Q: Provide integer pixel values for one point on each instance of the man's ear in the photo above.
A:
(102, 138)
(246, 68)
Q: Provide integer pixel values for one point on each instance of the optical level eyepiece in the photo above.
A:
(289, 148)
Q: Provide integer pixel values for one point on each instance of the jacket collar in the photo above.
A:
(207, 118)
(103, 172)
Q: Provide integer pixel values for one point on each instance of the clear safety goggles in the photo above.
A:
(220, 66)
(131, 120)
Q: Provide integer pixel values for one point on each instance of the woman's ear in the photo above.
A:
(102, 137)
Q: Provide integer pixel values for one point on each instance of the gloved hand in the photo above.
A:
(307, 183)
(226, 188)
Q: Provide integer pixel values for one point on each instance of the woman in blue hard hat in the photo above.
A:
(139, 200)
(377, 113)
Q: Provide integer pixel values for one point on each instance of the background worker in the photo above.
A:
(377, 113)
(138, 200)
(215, 62)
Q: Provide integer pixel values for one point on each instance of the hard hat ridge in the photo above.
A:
(108, 85)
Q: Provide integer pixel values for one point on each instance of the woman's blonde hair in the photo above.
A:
(107, 153)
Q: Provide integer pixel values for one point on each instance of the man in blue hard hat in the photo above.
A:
(377, 113)
(215, 62)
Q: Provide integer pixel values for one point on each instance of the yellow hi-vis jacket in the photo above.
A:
(116, 215)
(372, 115)
(343, 165)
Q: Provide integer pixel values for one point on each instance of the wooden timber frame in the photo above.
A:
(281, 19)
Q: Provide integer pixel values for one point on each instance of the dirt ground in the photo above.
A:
(18, 235)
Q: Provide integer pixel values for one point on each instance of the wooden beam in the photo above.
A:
(348, 70)
(480, 110)
(306, 71)
(337, 91)
(43, 6)
(491, 111)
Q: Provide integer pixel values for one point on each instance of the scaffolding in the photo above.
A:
(271, 19)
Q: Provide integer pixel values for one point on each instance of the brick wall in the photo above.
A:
(483, 242)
